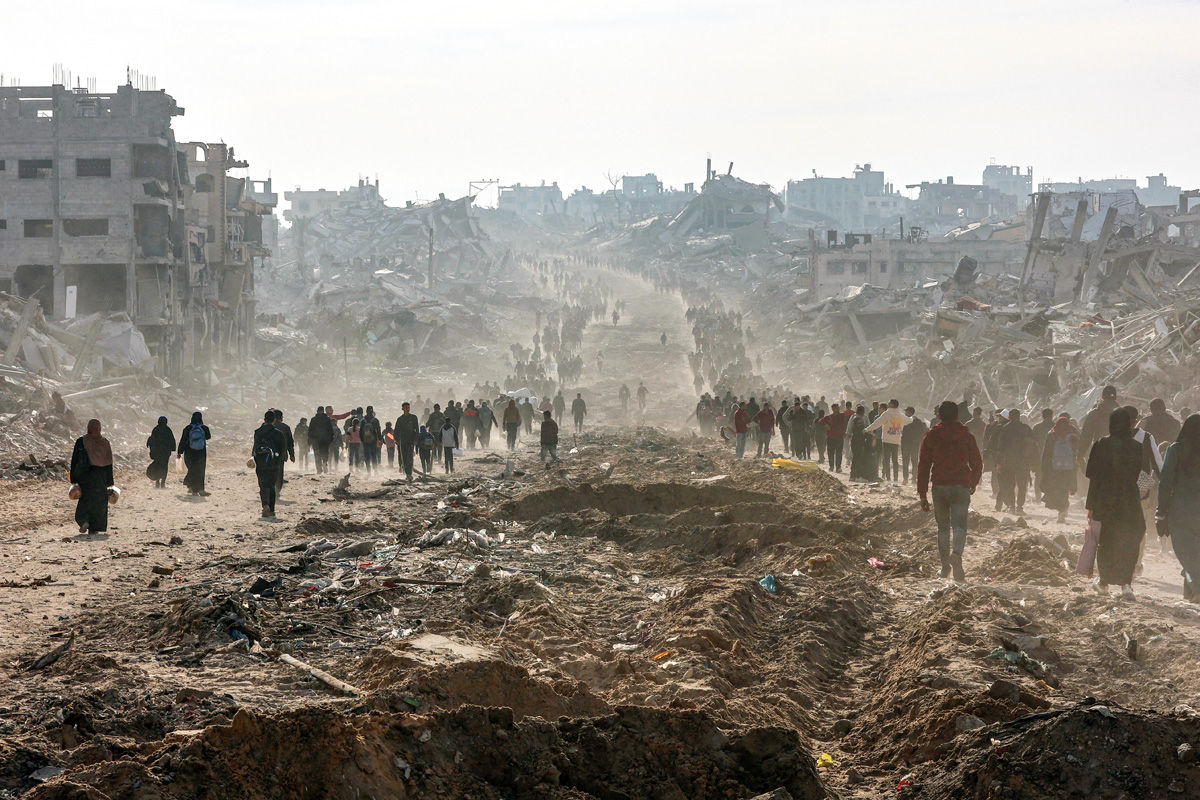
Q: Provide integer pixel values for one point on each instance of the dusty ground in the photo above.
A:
(606, 636)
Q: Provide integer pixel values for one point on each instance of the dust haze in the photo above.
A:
(596, 403)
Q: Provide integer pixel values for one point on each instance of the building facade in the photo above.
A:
(91, 199)
(864, 202)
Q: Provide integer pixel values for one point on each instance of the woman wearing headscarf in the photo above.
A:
(1114, 501)
(1178, 512)
(1060, 454)
(162, 447)
(92, 471)
(193, 446)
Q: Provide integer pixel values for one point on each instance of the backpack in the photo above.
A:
(196, 437)
(264, 456)
(1063, 457)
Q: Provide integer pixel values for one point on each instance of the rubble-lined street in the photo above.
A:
(577, 402)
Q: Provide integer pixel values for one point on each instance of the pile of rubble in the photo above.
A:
(51, 374)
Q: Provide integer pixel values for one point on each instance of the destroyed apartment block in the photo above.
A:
(97, 197)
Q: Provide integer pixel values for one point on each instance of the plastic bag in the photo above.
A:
(75, 492)
(1087, 553)
(458, 451)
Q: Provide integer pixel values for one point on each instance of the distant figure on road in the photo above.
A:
(624, 395)
(615, 317)
(193, 446)
(269, 452)
(578, 411)
(92, 472)
(663, 339)
(549, 438)
(642, 393)
(162, 447)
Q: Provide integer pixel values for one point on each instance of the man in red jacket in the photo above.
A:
(834, 424)
(766, 428)
(950, 459)
(741, 428)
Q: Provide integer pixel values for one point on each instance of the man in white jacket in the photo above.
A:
(892, 422)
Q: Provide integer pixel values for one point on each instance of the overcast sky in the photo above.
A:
(429, 96)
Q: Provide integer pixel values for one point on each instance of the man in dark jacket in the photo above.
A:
(910, 441)
(1040, 432)
(320, 433)
(1014, 456)
(512, 423)
(1159, 423)
(950, 460)
(371, 435)
(268, 451)
(549, 438)
(407, 428)
(578, 411)
(289, 452)
(485, 422)
(434, 425)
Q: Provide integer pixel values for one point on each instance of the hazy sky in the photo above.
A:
(432, 95)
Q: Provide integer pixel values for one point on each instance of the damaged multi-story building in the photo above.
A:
(91, 206)
(98, 208)
(865, 202)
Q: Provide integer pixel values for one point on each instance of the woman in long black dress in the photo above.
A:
(162, 447)
(92, 471)
(1114, 500)
(193, 446)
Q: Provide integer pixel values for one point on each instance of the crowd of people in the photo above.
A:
(1124, 456)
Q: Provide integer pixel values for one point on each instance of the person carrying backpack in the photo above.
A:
(1060, 454)
(370, 433)
(425, 449)
(268, 453)
(193, 447)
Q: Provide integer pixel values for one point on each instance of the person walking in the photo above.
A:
(434, 423)
(407, 428)
(834, 425)
(548, 438)
(425, 449)
(300, 437)
(389, 442)
(890, 423)
(1113, 500)
(910, 442)
(1015, 446)
(560, 405)
(267, 452)
(578, 411)
(1058, 474)
(642, 394)
(92, 473)
(741, 428)
(449, 436)
(765, 420)
(862, 447)
(512, 423)
(320, 433)
(354, 444)
(485, 421)
(162, 446)
(1178, 512)
(623, 396)
(949, 460)
(287, 454)
(193, 448)
(369, 434)
(1040, 432)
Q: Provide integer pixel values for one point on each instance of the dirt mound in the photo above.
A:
(472, 752)
(1031, 559)
(1089, 751)
(494, 684)
(623, 499)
